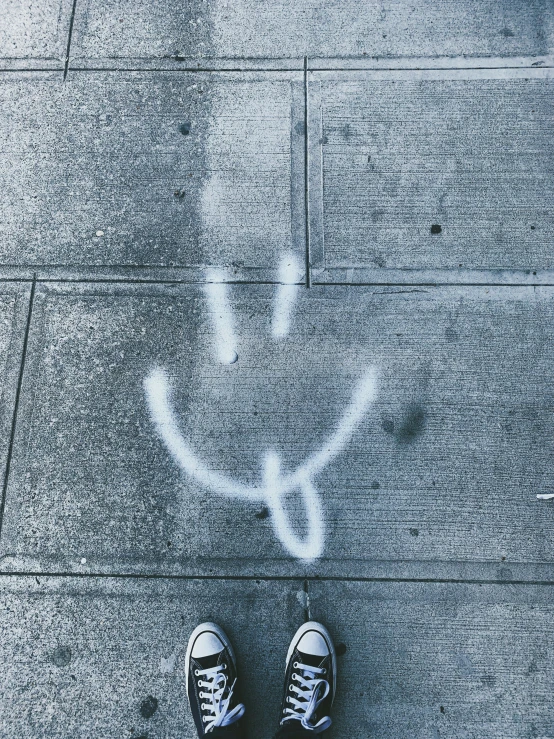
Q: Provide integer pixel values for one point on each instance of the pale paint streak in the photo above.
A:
(274, 485)
(287, 291)
(222, 318)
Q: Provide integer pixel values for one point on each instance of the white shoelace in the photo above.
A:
(216, 682)
(311, 691)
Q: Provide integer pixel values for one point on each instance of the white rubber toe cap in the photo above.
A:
(313, 643)
(206, 644)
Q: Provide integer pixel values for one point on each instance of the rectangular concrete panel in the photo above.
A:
(246, 30)
(254, 465)
(432, 170)
(439, 660)
(34, 34)
(151, 170)
(105, 657)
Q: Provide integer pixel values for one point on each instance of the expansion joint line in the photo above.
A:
(16, 401)
(306, 177)
(69, 35)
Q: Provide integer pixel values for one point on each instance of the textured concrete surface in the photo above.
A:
(86, 657)
(14, 306)
(246, 29)
(34, 33)
(440, 660)
(187, 433)
(460, 430)
(466, 658)
(435, 173)
(173, 169)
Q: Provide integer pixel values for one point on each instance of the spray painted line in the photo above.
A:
(222, 317)
(274, 486)
(287, 292)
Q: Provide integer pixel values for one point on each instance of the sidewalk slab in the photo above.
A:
(149, 170)
(14, 306)
(34, 34)
(438, 477)
(246, 30)
(85, 657)
(440, 660)
(431, 170)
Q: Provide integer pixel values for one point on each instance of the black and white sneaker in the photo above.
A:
(211, 670)
(310, 679)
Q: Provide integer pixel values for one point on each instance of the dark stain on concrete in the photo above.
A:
(412, 425)
(450, 335)
(148, 707)
(61, 656)
(507, 33)
(414, 532)
(436, 229)
(184, 128)
(262, 513)
(340, 649)
(377, 215)
(375, 485)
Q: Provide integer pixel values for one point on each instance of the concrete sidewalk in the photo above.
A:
(277, 287)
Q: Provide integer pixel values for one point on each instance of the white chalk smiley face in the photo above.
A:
(274, 485)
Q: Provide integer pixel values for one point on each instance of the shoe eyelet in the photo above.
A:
(291, 687)
(197, 672)
(295, 665)
(224, 666)
(324, 671)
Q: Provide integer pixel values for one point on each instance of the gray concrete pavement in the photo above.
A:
(246, 30)
(457, 433)
(446, 171)
(14, 307)
(440, 659)
(193, 425)
(34, 35)
(150, 170)
(97, 651)
(99, 657)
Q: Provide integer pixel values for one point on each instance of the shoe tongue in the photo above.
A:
(312, 660)
(211, 660)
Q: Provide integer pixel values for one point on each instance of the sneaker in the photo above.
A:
(211, 670)
(310, 678)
